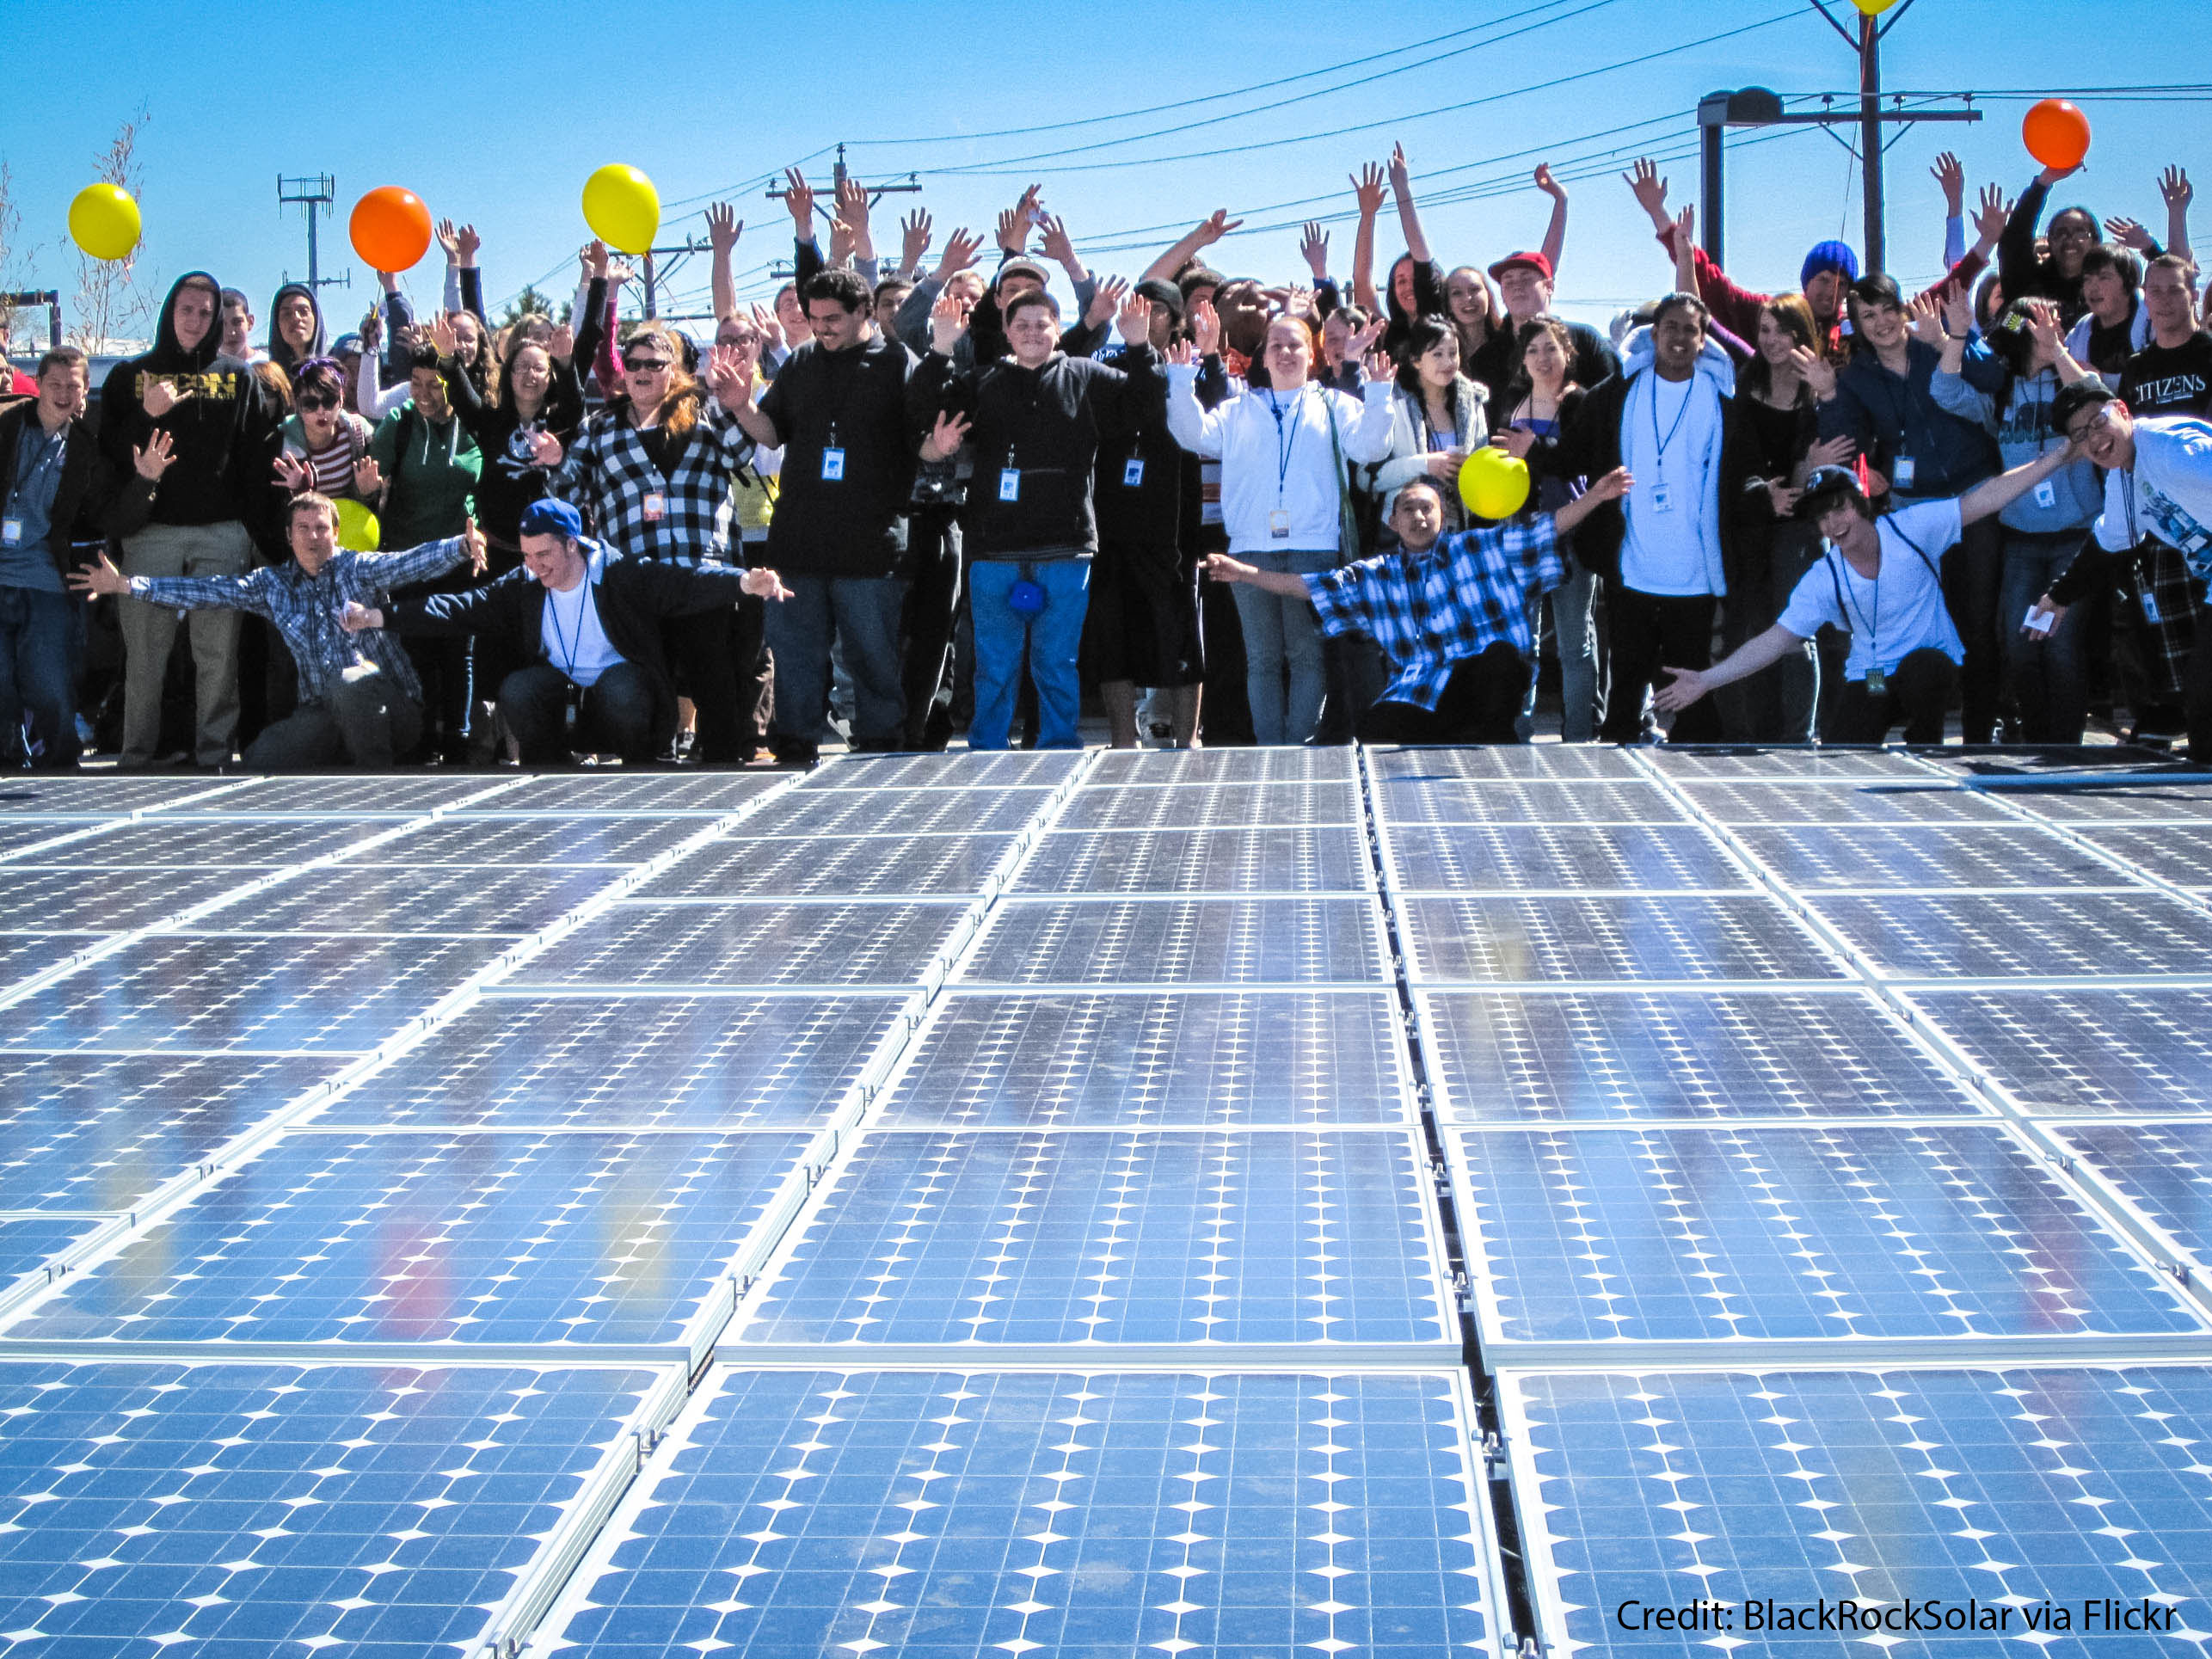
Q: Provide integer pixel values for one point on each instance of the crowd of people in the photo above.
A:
(915, 499)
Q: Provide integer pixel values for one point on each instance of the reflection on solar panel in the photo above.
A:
(2180, 853)
(1425, 800)
(1924, 855)
(896, 811)
(1810, 765)
(1062, 1061)
(2165, 1170)
(243, 844)
(2131, 1052)
(1310, 858)
(1460, 857)
(360, 900)
(630, 1062)
(488, 840)
(1528, 762)
(1718, 1235)
(1182, 941)
(937, 1512)
(1928, 801)
(258, 1509)
(1250, 1237)
(1673, 937)
(712, 793)
(26, 1244)
(2010, 1489)
(24, 955)
(1223, 766)
(568, 1239)
(2019, 935)
(1613, 1058)
(107, 900)
(2145, 804)
(31, 793)
(1040, 770)
(399, 794)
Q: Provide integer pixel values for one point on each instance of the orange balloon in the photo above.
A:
(2056, 133)
(390, 228)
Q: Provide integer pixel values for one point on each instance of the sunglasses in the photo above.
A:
(312, 405)
(644, 364)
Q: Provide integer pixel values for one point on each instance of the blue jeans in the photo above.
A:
(1283, 635)
(1052, 637)
(42, 639)
(863, 613)
(2045, 674)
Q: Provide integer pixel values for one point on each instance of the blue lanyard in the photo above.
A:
(572, 647)
(1679, 415)
(1850, 606)
(1283, 449)
(51, 451)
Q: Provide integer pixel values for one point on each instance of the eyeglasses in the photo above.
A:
(2079, 432)
(644, 365)
(314, 405)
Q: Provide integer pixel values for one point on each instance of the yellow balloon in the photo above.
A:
(1873, 8)
(622, 208)
(103, 220)
(1493, 484)
(358, 528)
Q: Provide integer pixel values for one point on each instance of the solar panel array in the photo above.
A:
(1047, 1202)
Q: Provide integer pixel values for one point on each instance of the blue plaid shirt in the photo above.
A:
(305, 609)
(1428, 611)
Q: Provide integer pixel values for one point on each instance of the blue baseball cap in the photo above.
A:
(548, 517)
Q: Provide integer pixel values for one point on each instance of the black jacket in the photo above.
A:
(855, 526)
(1157, 517)
(1048, 422)
(634, 596)
(1589, 447)
(92, 500)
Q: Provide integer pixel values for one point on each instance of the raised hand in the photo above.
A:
(1650, 190)
(1135, 318)
(1363, 340)
(1815, 370)
(1379, 368)
(100, 577)
(1401, 175)
(959, 253)
(852, 210)
(468, 242)
(442, 336)
(1952, 176)
(1214, 226)
(1369, 190)
(450, 239)
(291, 470)
(729, 375)
(562, 345)
(1313, 249)
(162, 396)
(1112, 290)
(2130, 233)
(368, 479)
(948, 322)
(1013, 232)
(723, 226)
(799, 198)
(2175, 189)
(914, 232)
(545, 450)
(946, 437)
(1685, 225)
(1925, 315)
(1957, 310)
(1181, 351)
(1059, 247)
(1990, 215)
(2044, 326)
(372, 331)
(153, 459)
(763, 318)
(594, 259)
(473, 539)
(1549, 186)
(1206, 328)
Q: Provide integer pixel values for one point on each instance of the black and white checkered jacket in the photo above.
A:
(608, 473)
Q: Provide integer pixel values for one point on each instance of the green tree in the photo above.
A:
(523, 304)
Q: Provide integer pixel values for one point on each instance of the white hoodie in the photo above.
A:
(1287, 465)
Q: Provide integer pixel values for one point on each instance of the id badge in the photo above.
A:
(1009, 484)
(1278, 524)
(1133, 473)
(833, 466)
(2150, 606)
(11, 532)
(2046, 494)
(655, 505)
(1902, 477)
(1877, 683)
(1663, 498)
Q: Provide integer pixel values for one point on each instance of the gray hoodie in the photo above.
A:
(2019, 417)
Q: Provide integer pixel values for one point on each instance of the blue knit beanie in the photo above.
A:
(1829, 257)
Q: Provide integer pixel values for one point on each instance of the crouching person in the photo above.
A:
(585, 631)
(360, 704)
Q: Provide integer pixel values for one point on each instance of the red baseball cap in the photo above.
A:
(1535, 262)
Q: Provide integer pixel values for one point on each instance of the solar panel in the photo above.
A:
(1224, 766)
(268, 993)
(362, 899)
(103, 900)
(1285, 941)
(35, 839)
(1526, 760)
(630, 1062)
(860, 866)
(24, 955)
(2025, 934)
(1904, 801)
(1658, 1056)
(1197, 805)
(1039, 769)
(28, 1243)
(1720, 1235)
(2180, 853)
(34, 793)
(940, 1513)
(99, 1131)
(552, 1238)
(2009, 1491)
(1783, 765)
(1257, 1236)
(1421, 801)
(206, 843)
(895, 812)
(1306, 859)
(1499, 939)
(647, 791)
(1459, 857)
(1128, 1060)
(392, 793)
(2140, 803)
(757, 944)
(2134, 1052)
(263, 1508)
(2165, 1171)
(1924, 856)
(485, 840)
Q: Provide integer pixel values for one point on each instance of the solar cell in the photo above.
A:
(897, 812)
(748, 943)
(488, 840)
(555, 1238)
(26, 839)
(1658, 1056)
(1204, 805)
(35, 793)
(105, 899)
(2009, 1489)
(630, 1062)
(1869, 859)
(941, 1513)
(2139, 803)
(1257, 1236)
(392, 793)
(860, 866)
(1807, 766)
(1424, 801)
(1285, 941)
(1066, 1061)
(1305, 858)
(1038, 769)
(647, 791)
(1530, 760)
(1905, 801)
(363, 900)
(1461, 857)
(2180, 853)
(1938, 936)
(2131, 1053)
(1499, 939)
(210, 843)
(2165, 1170)
(22, 955)
(1224, 766)
(1768, 1234)
(26, 1243)
(239, 1510)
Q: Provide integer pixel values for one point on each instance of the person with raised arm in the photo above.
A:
(1415, 287)
(2028, 273)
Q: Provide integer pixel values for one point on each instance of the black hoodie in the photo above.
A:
(280, 349)
(227, 432)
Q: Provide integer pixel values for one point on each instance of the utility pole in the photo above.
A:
(1757, 106)
(315, 195)
(838, 176)
(654, 272)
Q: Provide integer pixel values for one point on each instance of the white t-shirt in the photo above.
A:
(573, 642)
(1670, 442)
(2166, 494)
(1898, 613)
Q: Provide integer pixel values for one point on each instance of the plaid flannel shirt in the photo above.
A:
(305, 609)
(609, 473)
(1428, 611)
(2176, 597)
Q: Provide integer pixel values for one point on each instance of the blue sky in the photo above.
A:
(497, 116)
